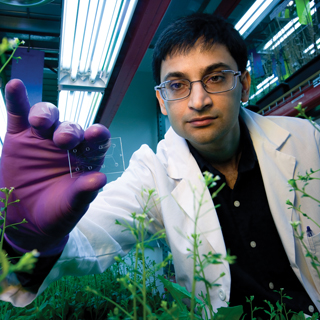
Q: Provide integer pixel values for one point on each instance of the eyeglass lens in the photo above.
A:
(212, 83)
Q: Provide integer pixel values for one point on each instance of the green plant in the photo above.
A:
(201, 262)
(299, 234)
(199, 306)
(27, 261)
(128, 290)
(6, 45)
(136, 284)
(280, 311)
(253, 309)
(294, 183)
(302, 113)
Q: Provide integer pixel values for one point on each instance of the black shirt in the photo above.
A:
(249, 232)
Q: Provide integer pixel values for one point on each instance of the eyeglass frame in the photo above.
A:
(162, 84)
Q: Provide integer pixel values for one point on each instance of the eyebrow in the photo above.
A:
(174, 75)
(208, 69)
(215, 66)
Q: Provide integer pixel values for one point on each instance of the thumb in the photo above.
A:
(85, 189)
(72, 205)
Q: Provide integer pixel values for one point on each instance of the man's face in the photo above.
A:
(206, 120)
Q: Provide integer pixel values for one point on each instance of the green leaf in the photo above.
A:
(293, 183)
(299, 316)
(315, 316)
(204, 280)
(228, 313)
(279, 306)
(289, 203)
(178, 314)
(178, 292)
(5, 265)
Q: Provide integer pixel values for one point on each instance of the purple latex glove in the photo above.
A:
(34, 161)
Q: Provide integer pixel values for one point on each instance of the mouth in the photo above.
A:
(202, 121)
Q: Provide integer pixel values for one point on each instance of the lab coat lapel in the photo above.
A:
(276, 168)
(191, 186)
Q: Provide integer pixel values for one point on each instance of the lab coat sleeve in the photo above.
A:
(97, 239)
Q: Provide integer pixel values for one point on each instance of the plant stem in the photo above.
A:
(194, 280)
(6, 191)
(144, 295)
(110, 300)
(13, 52)
(195, 250)
(208, 302)
(309, 253)
(134, 287)
(307, 195)
(304, 214)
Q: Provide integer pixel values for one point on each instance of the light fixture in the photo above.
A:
(264, 85)
(312, 47)
(248, 66)
(287, 30)
(92, 35)
(256, 13)
(79, 106)
(25, 3)
(3, 121)
(261, 84)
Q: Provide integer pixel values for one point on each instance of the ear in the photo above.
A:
(161, 103)
(246, 82)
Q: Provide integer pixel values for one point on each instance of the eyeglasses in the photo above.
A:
(216, 82)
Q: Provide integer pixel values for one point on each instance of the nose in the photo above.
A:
(199, 98)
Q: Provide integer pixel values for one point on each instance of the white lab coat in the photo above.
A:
(284, 147)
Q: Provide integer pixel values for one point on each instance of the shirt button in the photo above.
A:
(236, 203)
(311, 308)
(253, 244)
(271, 285)
(222, 294)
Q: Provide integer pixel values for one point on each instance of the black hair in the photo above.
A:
(181, 36)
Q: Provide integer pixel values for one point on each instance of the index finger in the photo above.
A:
(18, 106)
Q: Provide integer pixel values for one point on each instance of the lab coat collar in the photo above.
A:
(183, 167)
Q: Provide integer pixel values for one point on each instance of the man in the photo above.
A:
(200, 64)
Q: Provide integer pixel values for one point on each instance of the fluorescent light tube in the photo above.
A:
(287, 30)
(89, 34)
(74, 106)
(266, 85)
(92, 35)
(63, 101)
(69, 25)
(113, 35)
(104, 34)
(261, 84)
(128, 15)
(255, 16)
(79, 106)
(248, 14)
(81, 22)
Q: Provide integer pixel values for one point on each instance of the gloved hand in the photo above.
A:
(35, 162)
